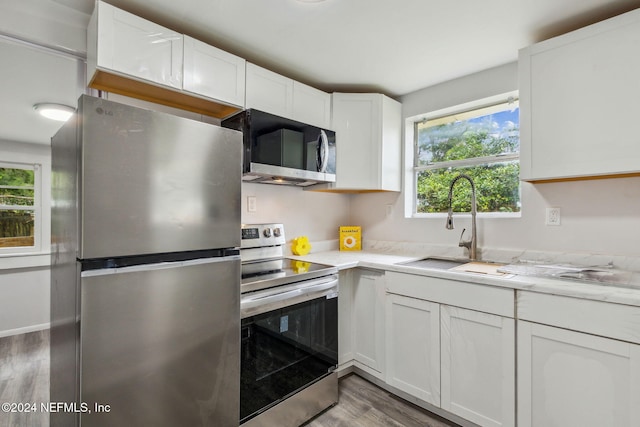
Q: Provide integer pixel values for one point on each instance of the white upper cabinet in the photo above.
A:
(124, 43)
(131, 56)
(284, 97)
(311, 105)
(579, 102)
(368, 142)
(269, 91)
(213, 73)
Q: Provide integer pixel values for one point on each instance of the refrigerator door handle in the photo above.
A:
(158, 266)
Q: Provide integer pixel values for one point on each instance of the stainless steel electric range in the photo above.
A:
(289, 338)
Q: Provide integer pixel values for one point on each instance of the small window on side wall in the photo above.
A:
(19, 207)
(483, 143)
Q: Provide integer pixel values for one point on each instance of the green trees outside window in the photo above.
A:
(484, 146)
(17, 207)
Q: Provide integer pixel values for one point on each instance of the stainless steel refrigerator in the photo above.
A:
(145, 275)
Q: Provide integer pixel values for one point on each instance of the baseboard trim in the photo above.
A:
(25, 330)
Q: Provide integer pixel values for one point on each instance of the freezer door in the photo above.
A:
(154, 183)
(160, 345)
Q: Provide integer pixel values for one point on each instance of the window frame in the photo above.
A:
(413, 169)
(36, 208)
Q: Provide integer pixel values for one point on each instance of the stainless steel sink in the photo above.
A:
(459, 265)
(435, 263)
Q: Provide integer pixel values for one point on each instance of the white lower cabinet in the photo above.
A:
(453, 345)
(368, 321)
(568, 378)
(460, 359)
(413, 347)
(345, 305)
(477, 366)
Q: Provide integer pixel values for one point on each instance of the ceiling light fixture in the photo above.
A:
(59, 112)
(310, 1)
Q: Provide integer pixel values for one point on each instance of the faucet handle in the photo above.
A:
(464, 243)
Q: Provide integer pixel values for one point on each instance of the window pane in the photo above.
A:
(497, 189)
(450, 138)
(16, 228)
(17, 187)
(16, 197)
(17, 192)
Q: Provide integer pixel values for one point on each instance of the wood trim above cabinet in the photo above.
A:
(582, 178)
(121, 85)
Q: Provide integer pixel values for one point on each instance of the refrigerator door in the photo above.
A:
(155, 183)
(160, 344)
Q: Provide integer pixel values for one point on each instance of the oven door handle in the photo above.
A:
(264, 302)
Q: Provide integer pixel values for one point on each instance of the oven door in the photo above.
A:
(288, 345)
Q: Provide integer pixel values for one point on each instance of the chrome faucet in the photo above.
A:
(470, 244)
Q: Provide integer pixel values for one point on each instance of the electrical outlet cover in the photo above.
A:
(553, 216)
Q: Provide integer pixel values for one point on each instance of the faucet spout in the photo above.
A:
(470, 244)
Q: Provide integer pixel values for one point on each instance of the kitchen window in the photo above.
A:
(482, 142)
(19, 207)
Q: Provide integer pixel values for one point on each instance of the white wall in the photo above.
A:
(316, 215)
(598, 216)
(24, 300)
(47, 23)
(24, 278)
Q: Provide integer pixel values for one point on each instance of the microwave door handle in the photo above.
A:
(323, 142)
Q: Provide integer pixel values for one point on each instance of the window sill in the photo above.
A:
(480, 215)
(24, 260)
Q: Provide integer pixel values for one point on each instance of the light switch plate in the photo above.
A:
(251, 204)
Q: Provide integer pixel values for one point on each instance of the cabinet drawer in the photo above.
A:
(483, 298)
(593, 317)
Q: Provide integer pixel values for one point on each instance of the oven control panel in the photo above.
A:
(260, 235)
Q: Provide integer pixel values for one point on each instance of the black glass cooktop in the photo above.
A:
(280, 271)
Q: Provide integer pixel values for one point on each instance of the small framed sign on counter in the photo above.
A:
(350, 238)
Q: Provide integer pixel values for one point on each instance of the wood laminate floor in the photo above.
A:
(363, 404)
(24, 378)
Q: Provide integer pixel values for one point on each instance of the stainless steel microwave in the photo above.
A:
(278, 150)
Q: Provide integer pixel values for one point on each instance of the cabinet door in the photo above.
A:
(311, 105)
(569, 379)
(478, 366)
(413, 347)
(368, 321)
(579, 102)
(368, 141)
(345, 303)
(131, 45)
(268, 91)
(213, 73)
(356, 120)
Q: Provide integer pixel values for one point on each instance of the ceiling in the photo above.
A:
(389, 46)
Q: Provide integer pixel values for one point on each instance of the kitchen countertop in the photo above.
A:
(388, 259)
